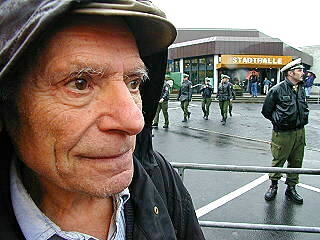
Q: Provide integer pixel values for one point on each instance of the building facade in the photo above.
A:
(238, 53)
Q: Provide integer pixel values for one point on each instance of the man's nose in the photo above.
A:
(121, 109)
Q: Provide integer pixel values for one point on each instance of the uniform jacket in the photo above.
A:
(185, 92)
(206, 91)
(165, 91)
(224, 91)
(286, 108)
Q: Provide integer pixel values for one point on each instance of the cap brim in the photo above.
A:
(153, 33)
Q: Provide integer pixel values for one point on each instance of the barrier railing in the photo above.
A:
(318, 94)
(181, 167)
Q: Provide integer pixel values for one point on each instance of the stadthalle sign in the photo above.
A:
(255, 60)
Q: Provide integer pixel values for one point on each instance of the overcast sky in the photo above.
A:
(293, 22)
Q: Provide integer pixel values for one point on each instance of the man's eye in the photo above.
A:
(79, 84)
(134, 84)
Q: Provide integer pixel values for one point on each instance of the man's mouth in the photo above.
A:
(105, 157)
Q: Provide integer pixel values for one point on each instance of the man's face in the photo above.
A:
(296, 75)
(80, 110)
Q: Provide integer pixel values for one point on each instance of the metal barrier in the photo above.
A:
(232, 168)
(318, 94)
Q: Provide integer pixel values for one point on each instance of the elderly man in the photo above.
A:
(76, 113)
(286, 107)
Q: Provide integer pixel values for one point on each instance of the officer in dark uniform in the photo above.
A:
(184, 96)
(163, 105)
(224, 96)
(286, 107)
(206, 91)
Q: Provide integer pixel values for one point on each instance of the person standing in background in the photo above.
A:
(266, 85)
(206, 91)
(254, 84)
(185, 96)
(308, 83)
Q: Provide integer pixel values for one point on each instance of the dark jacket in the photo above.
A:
(309, 81)
(165, 91)
(253, 78)
(155, 184)
(206, 91)
(286, 108)
(224, 91)
(185, 91)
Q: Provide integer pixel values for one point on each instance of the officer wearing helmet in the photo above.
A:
(286, 107)
(79, 86)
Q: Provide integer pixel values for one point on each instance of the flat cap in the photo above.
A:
(22, 21)
(295, 64)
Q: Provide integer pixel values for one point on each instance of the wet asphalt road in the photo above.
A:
(242, 141)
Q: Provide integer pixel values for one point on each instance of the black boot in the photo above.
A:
(184, 120)
(272, 191)
(189, 113)
(292, 194)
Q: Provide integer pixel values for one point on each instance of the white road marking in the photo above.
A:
(306, 186)
(230, 196)
(309, 187)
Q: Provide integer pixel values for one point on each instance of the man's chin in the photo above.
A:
(111, 186)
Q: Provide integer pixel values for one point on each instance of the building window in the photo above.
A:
(202, 70)
(209, 61)
(176, 66)
(186, 66)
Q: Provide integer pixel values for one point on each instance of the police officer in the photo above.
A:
(224, 96)
(286, 107)
(206, 91)
(163, 105)
(184, 96)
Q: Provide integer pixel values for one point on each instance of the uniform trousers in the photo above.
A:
(184, 106)
(164, 107)
(288, 146)
(206, 102)
(224, 108)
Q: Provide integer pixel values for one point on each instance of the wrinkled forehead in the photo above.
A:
(76, 34)
(110, 26)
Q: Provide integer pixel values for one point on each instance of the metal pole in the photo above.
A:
(268, 227)
(233, 168)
